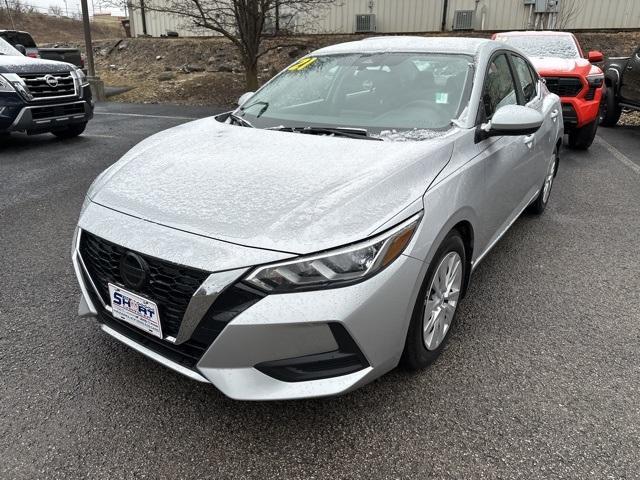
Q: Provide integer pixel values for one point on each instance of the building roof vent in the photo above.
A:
(463, 20)
(365, 22)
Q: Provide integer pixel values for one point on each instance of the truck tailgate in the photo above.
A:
(69, 55)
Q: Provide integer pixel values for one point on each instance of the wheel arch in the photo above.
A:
(465, 229)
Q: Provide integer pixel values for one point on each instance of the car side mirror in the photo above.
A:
(513, 120)
(20, 48)
(595, 56)
(244, 97)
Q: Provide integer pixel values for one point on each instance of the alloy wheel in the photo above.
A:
(441, 300)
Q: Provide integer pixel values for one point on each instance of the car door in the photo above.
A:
(505, 157)
(630, 90)
(533, 167)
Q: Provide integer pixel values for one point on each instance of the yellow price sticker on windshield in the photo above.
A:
(302, 64)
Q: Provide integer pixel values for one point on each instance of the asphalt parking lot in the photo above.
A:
(541, 378)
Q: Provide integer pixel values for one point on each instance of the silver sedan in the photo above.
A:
(327, 229)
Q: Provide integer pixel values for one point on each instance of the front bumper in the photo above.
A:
(42, 117)
(579, 111)
(261, 353)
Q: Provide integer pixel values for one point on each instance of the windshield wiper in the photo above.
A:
(265, 106)
(347, 132)
(239, 120)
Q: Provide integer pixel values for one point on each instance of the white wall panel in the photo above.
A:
(405, 16)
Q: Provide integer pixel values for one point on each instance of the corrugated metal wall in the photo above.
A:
(398, 16)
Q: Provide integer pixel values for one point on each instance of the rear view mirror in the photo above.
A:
(20, 48)
(595, 56)
(514, 120)
(244, 97)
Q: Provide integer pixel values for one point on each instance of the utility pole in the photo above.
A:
(97, 86)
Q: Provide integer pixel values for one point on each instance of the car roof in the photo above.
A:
(461, 45)
(534, 33)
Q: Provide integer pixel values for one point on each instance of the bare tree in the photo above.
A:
(55, 10)
(243, 22)
(567, 13)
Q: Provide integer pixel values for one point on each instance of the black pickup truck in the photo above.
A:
(40, 96)
(622, 78)
(24, 42)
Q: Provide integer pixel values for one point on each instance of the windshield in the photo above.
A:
(6, 49)
(560, 46)
(376, 92)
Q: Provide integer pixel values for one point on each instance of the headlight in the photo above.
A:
(595, 80)
(82, 78)
(337, 267)
(5, 85)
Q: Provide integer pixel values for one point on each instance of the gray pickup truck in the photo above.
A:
(24, 43)
(622, 78)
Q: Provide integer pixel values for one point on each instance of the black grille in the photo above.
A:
(39, 88)
(564, 86)
(102, 259)
(38, 113)
(171, 286)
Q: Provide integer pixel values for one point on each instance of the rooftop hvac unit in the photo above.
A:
(547, 6)
(365, 22)
(529, 2)
(463, 20)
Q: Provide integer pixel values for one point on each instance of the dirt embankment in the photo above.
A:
(47, 29)
(208, 70)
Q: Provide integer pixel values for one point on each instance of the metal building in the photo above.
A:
(407, 16)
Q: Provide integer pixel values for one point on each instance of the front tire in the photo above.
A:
(539, 205)
(610, 110)
(434, 312)
(71, 131)
(582, 138)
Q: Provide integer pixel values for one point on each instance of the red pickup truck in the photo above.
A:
(558, 58)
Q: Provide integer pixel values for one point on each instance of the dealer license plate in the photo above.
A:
(136, 310)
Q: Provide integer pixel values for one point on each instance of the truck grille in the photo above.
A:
(564, 86)
(60, 85)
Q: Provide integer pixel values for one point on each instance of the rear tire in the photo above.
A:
(539, 205)
(582, 138)
(71, 131)
(610, 110)
(428, 333)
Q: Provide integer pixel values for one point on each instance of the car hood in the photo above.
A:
(561, 66)
(20, 64)
(283, 191)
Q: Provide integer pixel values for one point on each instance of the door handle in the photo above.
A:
(528, 140)
(554, 115)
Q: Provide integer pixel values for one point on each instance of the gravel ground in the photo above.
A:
(539, 380)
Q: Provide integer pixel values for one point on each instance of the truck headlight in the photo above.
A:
(82, 78)
(338, 267)
(5, 85)
(596, 80)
